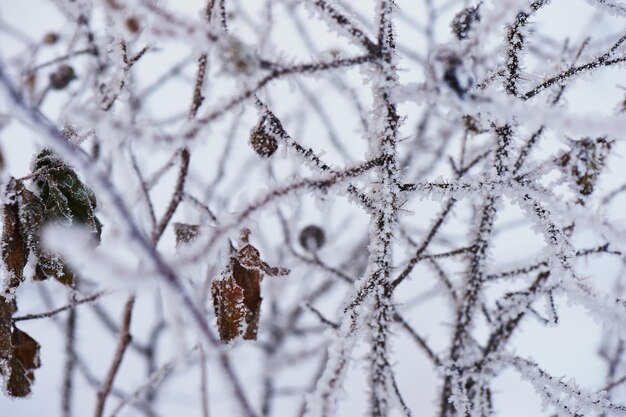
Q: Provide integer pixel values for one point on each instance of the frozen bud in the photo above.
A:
(50, 38)
(31, 80)
(69, 133)
(312, 238)
(472, 124)
(238, 58)
(62, 77)
(450, 68)
(463, 21)
(132, 24)
(114, 5)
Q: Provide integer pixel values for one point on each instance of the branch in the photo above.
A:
(602, 61)
(124, 340)
(60, 309)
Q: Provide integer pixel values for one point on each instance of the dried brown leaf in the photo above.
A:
(26, 350)
(19, 353)
(185, 233)
(14, 249)
(239, 295)
(250, 281)
(229, 308)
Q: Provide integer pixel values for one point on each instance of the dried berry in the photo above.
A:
(312, 238)
(62, 77)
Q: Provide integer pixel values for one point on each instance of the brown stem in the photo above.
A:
(70, 362)
(124, 340)
(176, 197)
(51, 313)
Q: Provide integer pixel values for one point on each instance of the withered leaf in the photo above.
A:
(250, 281)
(60, 198)
(185, 233)
(66, 198)
(14, 248)
(63, 199)
(7, 308)
(237, 297)
(26, 350)
(17, 382)
(51, 265)
(19, 353)
(32, 216)
(229, 308)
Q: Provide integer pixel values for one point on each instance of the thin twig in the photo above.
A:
(60, 309)
(124, 340)
(176, 197)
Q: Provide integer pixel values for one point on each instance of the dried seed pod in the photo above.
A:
(584, 162)
(238, 58)
(62, 77)
(312, 238)
(462, 23)
(264, 137)
(263, 143)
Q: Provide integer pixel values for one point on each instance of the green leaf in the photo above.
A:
(66, 198)
(61, 198)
